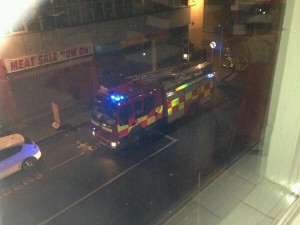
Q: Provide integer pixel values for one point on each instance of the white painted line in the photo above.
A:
(108, 182)
(63, 163)
(233, 75)
(169, 137)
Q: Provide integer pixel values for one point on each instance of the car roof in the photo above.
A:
(11, 140)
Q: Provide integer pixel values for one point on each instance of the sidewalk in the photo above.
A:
(40, 128)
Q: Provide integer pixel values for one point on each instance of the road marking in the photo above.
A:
(86, 145)
(61, 164)
(169, 137)
(92, 147)
(173, 140)
(80, 145)
(231, 76)
(20, 185)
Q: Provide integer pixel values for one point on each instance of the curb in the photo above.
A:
(62, 130)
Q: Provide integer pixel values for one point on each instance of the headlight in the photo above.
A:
(113, 144)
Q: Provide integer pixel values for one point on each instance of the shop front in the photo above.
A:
(65, 76)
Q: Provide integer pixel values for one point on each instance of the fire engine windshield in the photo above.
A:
(104, 110)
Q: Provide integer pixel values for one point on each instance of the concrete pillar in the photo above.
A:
(282, 138)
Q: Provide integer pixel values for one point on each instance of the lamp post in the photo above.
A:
(212, 46)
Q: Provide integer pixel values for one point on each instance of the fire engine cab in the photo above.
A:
(125, 113)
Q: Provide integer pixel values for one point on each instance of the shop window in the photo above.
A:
(18, 28)
(32, 22)
(86, 13)
(128, 8)
(73, 15)
(109, 11)
(46, 18)
(98, 14)
(138, 6)
(60, 16)
(120, 8)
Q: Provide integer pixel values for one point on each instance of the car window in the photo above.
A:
(6, 153)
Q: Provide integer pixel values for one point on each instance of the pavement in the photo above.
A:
(40, 128)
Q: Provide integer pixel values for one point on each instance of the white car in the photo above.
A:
(17, 153)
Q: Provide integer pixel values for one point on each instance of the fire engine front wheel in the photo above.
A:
(135, 135)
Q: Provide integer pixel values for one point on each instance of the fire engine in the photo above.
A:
(126, 113)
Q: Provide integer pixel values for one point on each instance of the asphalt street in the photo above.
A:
(80, 182)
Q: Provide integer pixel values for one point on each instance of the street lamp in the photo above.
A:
(212, 46)
(186, 49)
(11, 13)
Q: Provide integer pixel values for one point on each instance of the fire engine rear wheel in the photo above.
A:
(192, 110)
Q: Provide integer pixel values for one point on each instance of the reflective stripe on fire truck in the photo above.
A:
(95, 123)
(175, 105)
(106, 128)
(192, 95)
(188, 84)
(143, 121)
(206, 92)
(102, 126)
(193, 92)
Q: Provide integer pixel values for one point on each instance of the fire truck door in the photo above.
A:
(127, 120)
(138, 109)
(126, 115)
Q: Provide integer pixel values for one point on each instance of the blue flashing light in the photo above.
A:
(210, 75)
(117, 98)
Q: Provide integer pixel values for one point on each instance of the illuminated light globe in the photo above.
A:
(117, 98)
(113, 144)
(210, 75)
(212, 44)
(185, 56)
(200, 66)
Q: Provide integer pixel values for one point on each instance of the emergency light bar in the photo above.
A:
(117, 98)
(210, 75)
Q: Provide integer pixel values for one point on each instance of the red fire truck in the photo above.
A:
(127, 112)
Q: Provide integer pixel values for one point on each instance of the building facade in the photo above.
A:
(49, 54)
